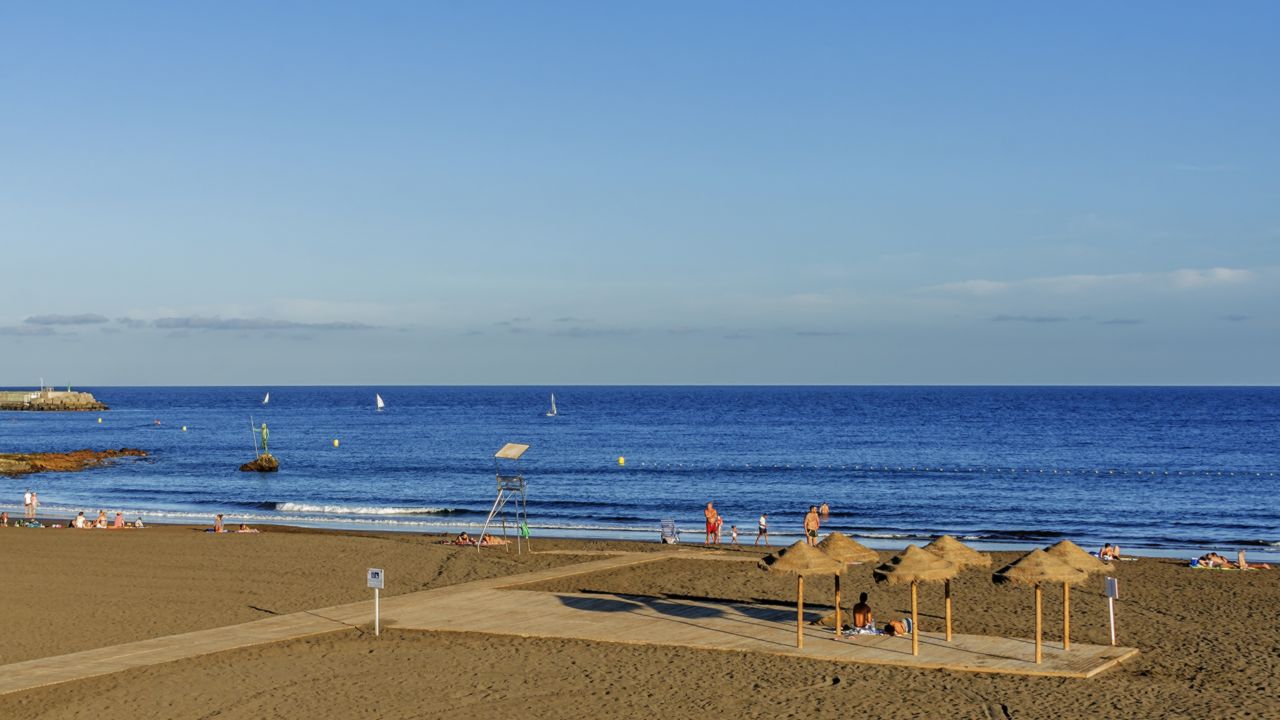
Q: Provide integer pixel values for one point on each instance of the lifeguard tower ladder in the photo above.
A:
(511, 490)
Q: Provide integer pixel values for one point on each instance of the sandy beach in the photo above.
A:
(1210, 646)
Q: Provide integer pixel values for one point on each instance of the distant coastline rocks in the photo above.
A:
(48, 399)
(24, 463)
(265, 462)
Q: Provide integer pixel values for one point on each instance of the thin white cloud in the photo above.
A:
(1186, 279)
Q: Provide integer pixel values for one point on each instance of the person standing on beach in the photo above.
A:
(811, 525)
(762, 530)
(35, 504)
(713, 520)
(733, 533)
(26, 504)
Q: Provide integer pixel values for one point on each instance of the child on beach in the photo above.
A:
(733, 533)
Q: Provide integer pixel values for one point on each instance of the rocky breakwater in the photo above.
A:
(24, 463)
(49, 400)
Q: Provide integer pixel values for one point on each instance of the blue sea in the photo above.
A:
(1170, 471)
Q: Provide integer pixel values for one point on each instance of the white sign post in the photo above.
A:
(376, 581)
(1112, 590)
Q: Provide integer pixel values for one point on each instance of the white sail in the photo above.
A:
(266, 398)
(378, 398)
(552, 411)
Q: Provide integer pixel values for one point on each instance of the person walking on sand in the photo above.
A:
(35, 505)
(762, 530)
(26, 504)
(733, 533)
(713, 519)
(811, 525)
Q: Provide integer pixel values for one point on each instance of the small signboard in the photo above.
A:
(1111, 588)
(376, 578)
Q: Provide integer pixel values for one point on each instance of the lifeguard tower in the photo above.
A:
(511, 492)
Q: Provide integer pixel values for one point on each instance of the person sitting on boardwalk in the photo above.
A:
(862, 619)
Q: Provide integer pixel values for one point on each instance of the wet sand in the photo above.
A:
(1210, 644)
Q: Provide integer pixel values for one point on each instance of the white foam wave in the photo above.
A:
(291, 507)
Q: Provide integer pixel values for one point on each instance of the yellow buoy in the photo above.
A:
(184, 428)
(622, 460)
(335, 442)
(99, 421)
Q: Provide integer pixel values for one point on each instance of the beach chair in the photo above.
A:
(670, 535)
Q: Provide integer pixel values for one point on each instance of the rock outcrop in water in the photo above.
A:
(23, 463)
(265, 462)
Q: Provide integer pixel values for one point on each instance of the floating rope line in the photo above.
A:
(959, 469)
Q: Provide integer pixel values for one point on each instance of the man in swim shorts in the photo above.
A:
(713, 523)
(811, 525)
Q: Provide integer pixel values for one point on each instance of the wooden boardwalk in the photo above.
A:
(498, 607)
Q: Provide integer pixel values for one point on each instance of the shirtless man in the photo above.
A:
(713, 523)
(862, 619)
(811, 525)
(824, 511)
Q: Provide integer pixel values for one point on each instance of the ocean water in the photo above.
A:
(1168, 470)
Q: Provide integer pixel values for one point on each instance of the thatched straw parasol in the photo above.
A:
(915, 566)
(1071, 554)
(845, 551)
(802, 560)
(952, 550)
(1038, 567)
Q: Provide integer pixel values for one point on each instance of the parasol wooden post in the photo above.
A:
(1066, 616)
(947, 592)
(800, 611)
(1037, 623)
(915, 622)
(839, 627)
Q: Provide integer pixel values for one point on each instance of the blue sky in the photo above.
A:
(439, 193)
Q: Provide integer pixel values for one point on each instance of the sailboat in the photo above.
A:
(552, 411)
(381, 404)
(266, 398)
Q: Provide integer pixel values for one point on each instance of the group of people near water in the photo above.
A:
(220, 527)
(715, 523)
(463, 538)
(80, 522)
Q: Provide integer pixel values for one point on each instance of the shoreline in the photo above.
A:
(691, 537)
